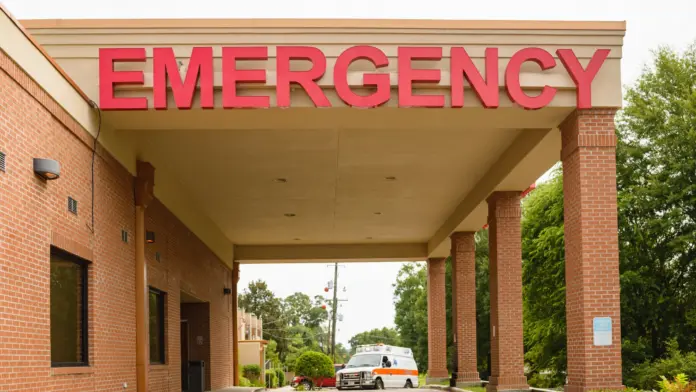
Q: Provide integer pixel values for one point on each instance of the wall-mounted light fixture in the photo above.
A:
(150, 237)
(47, 169)
(227, 291)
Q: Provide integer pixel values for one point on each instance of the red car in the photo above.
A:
(324, 382)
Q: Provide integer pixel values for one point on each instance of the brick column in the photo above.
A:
(437, 321)
(505, 247)
(464, 306)
(591, 249)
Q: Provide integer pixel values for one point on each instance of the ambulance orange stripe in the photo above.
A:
(396, 372)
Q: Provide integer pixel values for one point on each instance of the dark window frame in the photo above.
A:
(162, 320)
(84, 266)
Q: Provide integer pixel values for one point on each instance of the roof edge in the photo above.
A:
(325, 24)
(45, 54)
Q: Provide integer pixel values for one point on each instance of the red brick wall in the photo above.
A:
(591, 247)
(505, 248)
(34, 215)
(186, 264)
(437, 319)
(464, 295)
(198, 316)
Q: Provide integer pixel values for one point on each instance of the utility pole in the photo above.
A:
(333, 317)
(335, 312)
(328, 339)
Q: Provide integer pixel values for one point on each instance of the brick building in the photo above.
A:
(184, 148)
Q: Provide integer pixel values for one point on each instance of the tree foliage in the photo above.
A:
(292, 325)
(543, 255)
(483, 304)
(656, 178)
(411, 305)
(384, 335)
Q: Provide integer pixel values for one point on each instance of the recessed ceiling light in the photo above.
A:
(289, 214)
(390, 178)
(368, 238)
(281, 180)
(297, 239)
(378, 213)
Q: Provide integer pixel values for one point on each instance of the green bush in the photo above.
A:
(252, 372)
(648, 374)
(244, 382)
(271, 379)
(281, 377)
(314, 365)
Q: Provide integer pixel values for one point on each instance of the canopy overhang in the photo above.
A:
(379, 154)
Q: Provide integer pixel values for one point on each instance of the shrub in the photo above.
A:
(244, 382)
(680, 384)
(252, 372)
(281, 377)
(314, 365)
(647, 375)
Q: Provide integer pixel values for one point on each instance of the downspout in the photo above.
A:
(144, 184)
(235, 325)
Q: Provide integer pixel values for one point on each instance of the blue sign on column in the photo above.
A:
(601, 326)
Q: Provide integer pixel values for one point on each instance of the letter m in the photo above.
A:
(165, 67)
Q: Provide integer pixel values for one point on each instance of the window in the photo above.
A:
(68, 309)
(156, 326)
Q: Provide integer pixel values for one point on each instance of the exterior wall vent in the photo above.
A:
(124, 236)
(2, 161)
(72, 205)
(158, 257)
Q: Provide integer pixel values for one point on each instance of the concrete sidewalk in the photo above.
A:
(241, 389)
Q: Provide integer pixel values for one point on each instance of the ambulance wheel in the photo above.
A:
(408, 384)
(379, 384)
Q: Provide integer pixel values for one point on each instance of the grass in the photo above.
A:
(422, 377)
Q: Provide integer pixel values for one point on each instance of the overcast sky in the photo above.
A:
(369, 286)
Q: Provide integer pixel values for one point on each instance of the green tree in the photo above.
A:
(297, 308)
(317, 316)
(378, 335)
(543, 270)
(411, 305)
(272, 352)
(483, 303)
(259, 300)
(656, 180)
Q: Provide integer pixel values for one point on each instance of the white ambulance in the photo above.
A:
(379, 366)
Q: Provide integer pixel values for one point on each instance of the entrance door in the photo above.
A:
(184, 355)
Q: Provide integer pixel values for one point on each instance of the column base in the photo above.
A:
(468, 379)
(509, 383)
